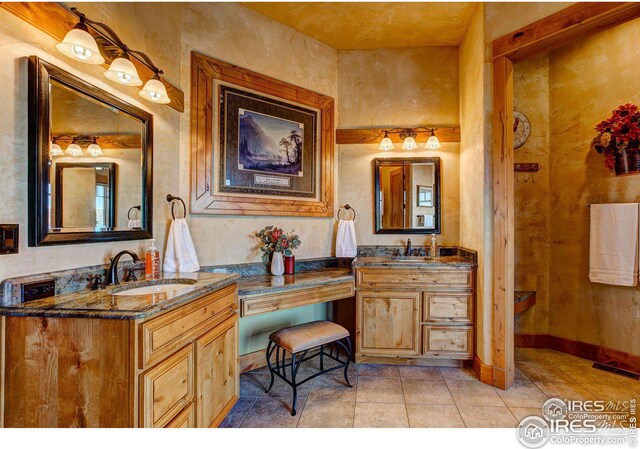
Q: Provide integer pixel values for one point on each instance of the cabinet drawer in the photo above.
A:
(448, 307)
(166, 388)
(186, 419)
(409, 277)
(165, 334)
(454, 342)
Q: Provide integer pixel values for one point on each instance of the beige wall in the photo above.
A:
(237, 35)
(395, 88)
(531, 97)
(152, 28)
(588, 80)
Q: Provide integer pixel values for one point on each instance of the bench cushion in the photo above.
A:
(308, 335)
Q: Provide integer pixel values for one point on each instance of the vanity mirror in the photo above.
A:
(407, 195)
(90, 162)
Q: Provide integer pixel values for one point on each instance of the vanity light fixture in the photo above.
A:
(408, 136)
(432, 142)
(74, 150)
(80, 45)
(94, 149)
(386, 143)
(123, 71)
(55, 149)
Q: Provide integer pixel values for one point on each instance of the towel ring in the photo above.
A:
(129, 211)
(347, 207)
(172, 199)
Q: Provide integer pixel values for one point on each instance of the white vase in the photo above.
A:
(277, 264)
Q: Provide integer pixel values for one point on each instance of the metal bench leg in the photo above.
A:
(347, 349)
(270, 349)
(321, 358)
(295, 386)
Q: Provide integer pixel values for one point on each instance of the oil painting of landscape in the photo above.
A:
(269, 144)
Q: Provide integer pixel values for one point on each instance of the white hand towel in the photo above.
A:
(346, 245)
(613, 244)
(134, 224)
(180, 255)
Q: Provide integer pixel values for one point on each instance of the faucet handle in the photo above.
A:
(130, 275)
(96, 282)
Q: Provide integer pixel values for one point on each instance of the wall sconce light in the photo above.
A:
(55, 149)
(386, 143)
(408, 136)
(94, 149)
(74, 150)
(80, 45)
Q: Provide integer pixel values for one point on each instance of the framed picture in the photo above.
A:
(425, 196)
(259, 146)
(267, 146)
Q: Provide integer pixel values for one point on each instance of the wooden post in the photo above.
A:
(503, 232)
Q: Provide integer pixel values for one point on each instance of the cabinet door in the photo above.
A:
(217, 382)
(388, 322)
(166, 388)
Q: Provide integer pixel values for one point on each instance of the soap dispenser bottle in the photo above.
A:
(152, 261)
(433, 251)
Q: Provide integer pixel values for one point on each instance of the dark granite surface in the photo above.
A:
(259, 268)
(413, 262)
(417, 250)
(104, 304)
(266, 283)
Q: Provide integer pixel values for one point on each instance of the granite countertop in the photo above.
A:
(103, 304)
(414, 262)
(266, 283)
(520, 296)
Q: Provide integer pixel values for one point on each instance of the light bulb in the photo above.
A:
(433, 143)
(74, 150)
(409, 143)
(386, 144)
(95, 150)
(155, 91)
(56, 150)
(123, 71)
(78, 44)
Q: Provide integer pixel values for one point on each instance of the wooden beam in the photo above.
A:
(346, 136)
(107, 141)
(503, 224)
(563, 27)
(56, 21)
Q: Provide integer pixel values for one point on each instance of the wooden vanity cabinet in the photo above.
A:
(423, 314)
(178, 368)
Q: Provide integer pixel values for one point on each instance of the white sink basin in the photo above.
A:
(156, 288)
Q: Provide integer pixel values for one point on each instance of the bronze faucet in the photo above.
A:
(112, 274)
(408, 251)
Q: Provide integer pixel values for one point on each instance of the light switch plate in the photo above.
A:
(9, 238)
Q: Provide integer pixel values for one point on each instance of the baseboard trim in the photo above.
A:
(601, 354)
(253, 360)
(483, 371)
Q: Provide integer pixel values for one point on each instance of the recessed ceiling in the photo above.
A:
(366, 25)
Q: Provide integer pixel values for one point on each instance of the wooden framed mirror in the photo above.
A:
(407, 195)
(90, 162)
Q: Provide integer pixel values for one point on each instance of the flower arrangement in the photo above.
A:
(275, 240)
(618, 133)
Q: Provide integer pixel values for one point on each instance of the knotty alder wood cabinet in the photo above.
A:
(422, 315)
(178, 368)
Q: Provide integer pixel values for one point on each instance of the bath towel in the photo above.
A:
(180, 255)
(613, 244)
(346, 245)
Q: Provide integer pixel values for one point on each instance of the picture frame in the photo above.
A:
(233, 171)
(425, 196)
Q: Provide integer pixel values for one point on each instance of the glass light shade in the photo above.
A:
(386, 144)
(433, 143)
(55, 150)
(409, 144)
(95, 150)
(123, 71)
(81, 46)
(74, 150)
(155, 91)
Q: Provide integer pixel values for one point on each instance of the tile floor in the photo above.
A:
(410, 396)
